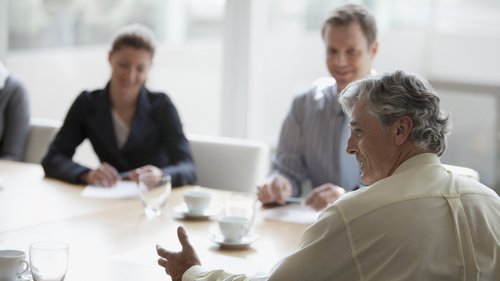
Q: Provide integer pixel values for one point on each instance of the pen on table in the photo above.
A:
(123, 175)
(295, 200)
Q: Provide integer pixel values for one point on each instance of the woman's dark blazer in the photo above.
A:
(155, 138)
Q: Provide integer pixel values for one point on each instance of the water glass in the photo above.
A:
(48, 260)
(238, 215)
(154, 189)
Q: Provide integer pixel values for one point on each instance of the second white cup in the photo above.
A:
(233, 229)
(238, 215)
(197, 201)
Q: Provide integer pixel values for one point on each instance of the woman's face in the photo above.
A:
(129, 67)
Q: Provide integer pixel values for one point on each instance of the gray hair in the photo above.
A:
(397, 94)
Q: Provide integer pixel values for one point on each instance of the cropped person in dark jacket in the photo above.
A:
(130, 128)
(14, 116)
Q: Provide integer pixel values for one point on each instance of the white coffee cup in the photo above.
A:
(197, 201)
(234, 228)
(12, 264)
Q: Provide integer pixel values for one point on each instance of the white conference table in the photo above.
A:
(112, 239)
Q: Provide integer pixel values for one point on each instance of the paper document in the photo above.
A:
(123, 189)
(294, 213)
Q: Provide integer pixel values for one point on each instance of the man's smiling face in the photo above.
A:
(372, 144)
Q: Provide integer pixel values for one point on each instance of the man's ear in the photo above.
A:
(402, 129)
(373, 48)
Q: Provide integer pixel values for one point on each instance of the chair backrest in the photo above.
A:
(229, 163)
(42, 131)
(468, 172)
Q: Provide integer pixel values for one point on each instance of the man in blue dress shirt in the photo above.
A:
(314, 134)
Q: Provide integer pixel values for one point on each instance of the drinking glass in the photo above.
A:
(154, 189)
(239, 208)
(48, 260)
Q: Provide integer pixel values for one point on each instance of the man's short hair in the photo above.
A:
(136, 36)
(347, 14)
(397, 94)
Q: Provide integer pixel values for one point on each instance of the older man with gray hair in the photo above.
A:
(413, 221)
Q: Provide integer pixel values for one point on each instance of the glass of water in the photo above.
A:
(48, 260)
(154, 189)
(239, 209)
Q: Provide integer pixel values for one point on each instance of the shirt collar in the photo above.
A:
(326, 88)
(418, 160)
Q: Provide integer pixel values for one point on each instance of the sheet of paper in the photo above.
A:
(123, 189)
(294, 213)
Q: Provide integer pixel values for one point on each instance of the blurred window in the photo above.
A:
(58, 23)
(456, 16)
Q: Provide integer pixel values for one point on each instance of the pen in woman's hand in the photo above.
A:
(124, 175)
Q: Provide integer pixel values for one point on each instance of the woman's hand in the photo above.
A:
(134, 174)
(105, 175)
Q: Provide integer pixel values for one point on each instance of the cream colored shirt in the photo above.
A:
(122, 130)
(421, 223)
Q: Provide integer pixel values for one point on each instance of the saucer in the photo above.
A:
(182, 212)
(243, 243)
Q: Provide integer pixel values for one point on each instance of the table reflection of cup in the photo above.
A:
(12, 264)
(197, 201)
(48, 260)
(154, 189)
(238, 215)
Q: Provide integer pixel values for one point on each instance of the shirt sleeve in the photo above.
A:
(324, 253)
(289, 158)
(181, 167)
(198, 273)
(17, 118)
(58, 162)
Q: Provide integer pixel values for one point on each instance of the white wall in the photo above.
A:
(3, 30)
(473, 135)
(283, 66)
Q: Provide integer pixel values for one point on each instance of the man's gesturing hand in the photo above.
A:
(176, 263)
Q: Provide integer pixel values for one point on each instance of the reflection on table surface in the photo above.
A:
(114, 239)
